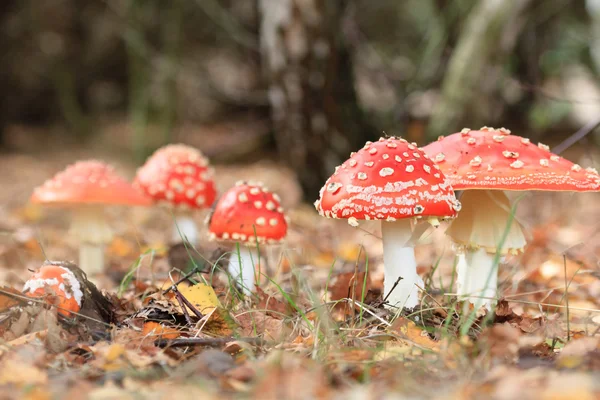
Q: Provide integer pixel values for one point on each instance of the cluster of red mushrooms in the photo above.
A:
(177, 177)
(400, 185)
(391, 180)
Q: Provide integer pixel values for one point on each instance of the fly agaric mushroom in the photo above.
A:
(58, 285)
(86, 187)
(247, 214)
(395, 182)
(485, 163)
(178, 177)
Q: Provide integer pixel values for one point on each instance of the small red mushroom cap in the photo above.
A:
(88, 182)
(58, 285)
(246, 213)
(387, 180)
(494, 159)
(177, 176)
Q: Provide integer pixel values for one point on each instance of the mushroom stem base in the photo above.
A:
(477, 278)
(184, 228)
(399, 262)
(90, 228)
(242, 267)
(91, 258)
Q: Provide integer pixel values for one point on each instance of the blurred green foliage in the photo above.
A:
(167, 63)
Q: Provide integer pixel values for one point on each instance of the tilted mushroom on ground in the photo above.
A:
(178, 177)
(58, 285)
(247, 214)
(484, 163)
(395, 182)
(86, 188)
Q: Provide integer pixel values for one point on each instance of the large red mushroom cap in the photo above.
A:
(177, 176)
(246, 213)
(494, 159)
(387, 180)
(88, 182)
(58, 285)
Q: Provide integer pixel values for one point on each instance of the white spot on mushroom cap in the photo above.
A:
(517, 164)
(476, 161)
(242, 197)
(387, 171)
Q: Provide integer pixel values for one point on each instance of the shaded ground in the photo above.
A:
(315, 347)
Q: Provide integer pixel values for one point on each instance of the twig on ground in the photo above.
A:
(567, 298)
(186, 277)
(392, 289)
(184, 342)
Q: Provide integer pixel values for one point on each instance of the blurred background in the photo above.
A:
(296, 82)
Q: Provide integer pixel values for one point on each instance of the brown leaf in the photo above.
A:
(158, 331)
(17, 370)
(531, 325)
(501, 341)
(348, 285)
(257, 323)
(407, 329)
(6, 300)
(288, 376)
(271, 305)
(504, 311)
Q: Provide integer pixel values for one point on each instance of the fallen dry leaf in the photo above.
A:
(159, 331)
(201, 296)
(271, 305)
(407, 329)
(6, 300)
(17, 370)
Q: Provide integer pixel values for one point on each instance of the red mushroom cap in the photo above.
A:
(246, 213)
(88, 182)
(177, 176)
(58, 285)
(494, 159)
(387, 180)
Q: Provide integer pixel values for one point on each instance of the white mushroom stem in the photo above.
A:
(481, 226)
(477, 278)
(242, 269)
(399, 262)
(89, 225)
(184, 228)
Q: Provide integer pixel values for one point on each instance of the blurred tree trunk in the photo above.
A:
(316, 119)
(593, 8)
(490, 33)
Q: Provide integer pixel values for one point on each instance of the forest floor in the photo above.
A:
(320, 337)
